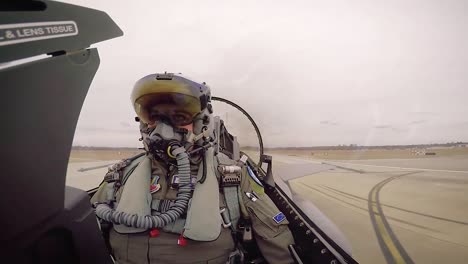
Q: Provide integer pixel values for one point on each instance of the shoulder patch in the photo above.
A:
(154, 186)
(279, 217)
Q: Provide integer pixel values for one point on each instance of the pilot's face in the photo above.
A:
(189, 127)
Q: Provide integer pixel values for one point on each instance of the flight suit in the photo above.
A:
(272, 237)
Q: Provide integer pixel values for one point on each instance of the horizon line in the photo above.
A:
(307, 147)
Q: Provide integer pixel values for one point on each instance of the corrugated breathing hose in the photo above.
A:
(179, 206)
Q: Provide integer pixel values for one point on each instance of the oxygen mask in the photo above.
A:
(162, 139)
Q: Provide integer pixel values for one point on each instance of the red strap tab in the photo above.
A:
(154, 232)
(182, 241)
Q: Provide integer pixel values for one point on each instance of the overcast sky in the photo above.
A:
(309, 72)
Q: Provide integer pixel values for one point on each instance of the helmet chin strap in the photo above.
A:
(203, 126)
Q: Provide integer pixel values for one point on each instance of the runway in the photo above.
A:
(393, 211)
(88, 174)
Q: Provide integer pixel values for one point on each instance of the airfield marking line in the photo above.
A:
(387, 217)
(391, 247)
(366, 210)
(394, 207)
(344, 168)
(402, 168)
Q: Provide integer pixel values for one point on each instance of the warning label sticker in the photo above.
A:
(26, 32)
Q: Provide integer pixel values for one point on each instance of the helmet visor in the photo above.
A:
(177, 108)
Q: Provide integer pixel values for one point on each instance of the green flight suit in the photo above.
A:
(272, 238)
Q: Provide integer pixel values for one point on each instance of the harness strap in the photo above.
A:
(128, 173)
(115, 172)
(231, 198)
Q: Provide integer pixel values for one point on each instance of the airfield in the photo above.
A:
(392, 206)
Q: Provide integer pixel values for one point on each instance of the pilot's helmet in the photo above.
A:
(169, 98)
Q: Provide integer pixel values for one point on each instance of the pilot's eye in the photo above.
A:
(154, 116)
(179, 117)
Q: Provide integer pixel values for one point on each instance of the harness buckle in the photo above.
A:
(247, 233)
(230, 175)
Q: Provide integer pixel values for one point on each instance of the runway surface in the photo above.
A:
(393, 211)
(87, 175)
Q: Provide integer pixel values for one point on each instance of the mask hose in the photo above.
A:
(174, 212)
